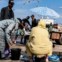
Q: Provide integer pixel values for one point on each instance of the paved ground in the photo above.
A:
(5, 61)
(10, 61)
(58, 49)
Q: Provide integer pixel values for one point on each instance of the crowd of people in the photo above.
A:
(35, 37)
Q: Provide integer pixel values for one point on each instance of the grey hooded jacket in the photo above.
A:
(8, 25)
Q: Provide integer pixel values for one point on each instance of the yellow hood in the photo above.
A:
(39, 42)
(42, 24)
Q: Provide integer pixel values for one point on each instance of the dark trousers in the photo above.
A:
(0, 55)
(43, 59)
(57, 42)
(25, 39)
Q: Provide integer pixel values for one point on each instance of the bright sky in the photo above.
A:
(22, 10)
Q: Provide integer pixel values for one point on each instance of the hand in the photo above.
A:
(47, 59)
(10, 43)
(13, 41)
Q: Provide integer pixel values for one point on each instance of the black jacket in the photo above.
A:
(6, 14)
(26, 21)
(34, 23)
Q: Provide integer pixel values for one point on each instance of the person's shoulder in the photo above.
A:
(34, 28)
(23, 19)
(9, 21)
(35, 19)
(4, 8)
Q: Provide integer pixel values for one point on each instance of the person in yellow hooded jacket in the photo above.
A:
(39, 43)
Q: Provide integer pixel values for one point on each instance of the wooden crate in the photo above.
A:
(55, 35)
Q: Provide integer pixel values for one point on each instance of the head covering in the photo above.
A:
(19, 20)
(32, 15)
(28, 17)
(42, 23)
(16, 22)
(11, 2)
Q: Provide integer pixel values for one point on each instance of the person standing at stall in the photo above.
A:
(34, 22)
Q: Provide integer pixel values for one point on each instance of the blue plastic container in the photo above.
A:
(54, 58)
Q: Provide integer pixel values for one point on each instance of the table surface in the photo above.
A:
(11, 61)
(57, 48)
(22, 47)
(56, 32)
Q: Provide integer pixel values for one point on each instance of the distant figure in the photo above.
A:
(0, 15)
(50, 27)
(26, 20)
(7, 12)
(34, 22)
(20, 32)
(27, 28)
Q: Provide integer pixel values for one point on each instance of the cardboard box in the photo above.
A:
(55, 35)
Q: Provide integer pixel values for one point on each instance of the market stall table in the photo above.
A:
(58, 49)
(10, 61)
(57, 36)
(20, 46)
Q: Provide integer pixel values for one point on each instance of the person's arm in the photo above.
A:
(35, 22)
(12, 14)
(8, 32)
(2, 13)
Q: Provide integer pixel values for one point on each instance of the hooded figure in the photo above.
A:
(6, 27)
(39, 43)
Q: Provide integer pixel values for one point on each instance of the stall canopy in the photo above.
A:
(48, 21)
(45, 11)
